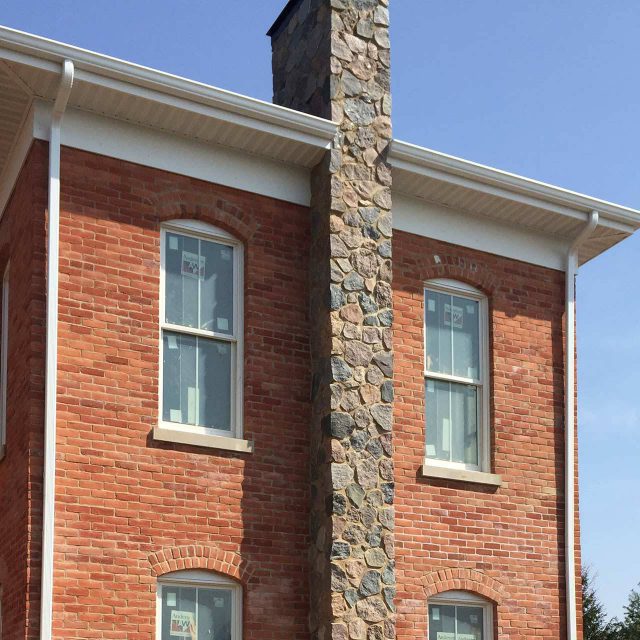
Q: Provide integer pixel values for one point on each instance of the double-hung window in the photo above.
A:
(198, 605)
(456, 376)
(201, 330)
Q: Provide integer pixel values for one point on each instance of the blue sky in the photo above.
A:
(543, 88)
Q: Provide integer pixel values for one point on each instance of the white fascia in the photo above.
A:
(426, 219)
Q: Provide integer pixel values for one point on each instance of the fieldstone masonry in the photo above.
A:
(331, 59)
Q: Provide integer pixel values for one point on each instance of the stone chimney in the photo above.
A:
(331, 59)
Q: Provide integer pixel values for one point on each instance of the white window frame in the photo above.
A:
(4, 346)
(482, 384)
(203, 579)
(203, 231)
(465, 599)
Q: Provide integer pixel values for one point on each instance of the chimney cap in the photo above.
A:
(284, 14)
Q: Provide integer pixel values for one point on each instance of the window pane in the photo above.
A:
(198, 283)
(214, 614)
(470, 623)
(182, 278)
(216, 288)
(179, 617)
(196, 381)
(451, 422)
(201, 613)
(438, 427)
(214, 383)
(179, 378)
(438, 332)
(442, 623)
(464, 421)
(465, 327)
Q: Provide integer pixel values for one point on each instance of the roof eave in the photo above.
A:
(422, 160)
(127, 77)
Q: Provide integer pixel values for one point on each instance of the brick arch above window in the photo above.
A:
(184, 204)
(203, 557)
(463, 580)
(455, 267)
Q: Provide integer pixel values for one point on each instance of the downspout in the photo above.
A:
(570, 409)
(51, 374)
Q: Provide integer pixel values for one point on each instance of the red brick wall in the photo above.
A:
(128, 506)
(22, 240)
(505, 543)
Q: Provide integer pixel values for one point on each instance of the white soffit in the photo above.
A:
(430, 220)
(505, 201)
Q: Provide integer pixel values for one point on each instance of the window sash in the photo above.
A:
(196, 230)
(456, 618)
(464, 599)
(459, 290)
(478, 431)
(197, 351)
(202, 580)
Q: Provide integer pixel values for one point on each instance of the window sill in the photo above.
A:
(210, 441)
(461, 475)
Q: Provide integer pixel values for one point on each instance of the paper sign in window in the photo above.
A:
(183, 624)
(453, 316)
(171, 599)
(445, 635)
(193, 265)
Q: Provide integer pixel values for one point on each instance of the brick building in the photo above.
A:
(268, 372)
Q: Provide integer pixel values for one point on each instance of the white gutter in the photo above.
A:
(51, 376)
(570, 423)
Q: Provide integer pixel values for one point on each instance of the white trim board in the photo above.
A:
(430, 220)
(168, 152)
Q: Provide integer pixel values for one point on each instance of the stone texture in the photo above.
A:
(331, 59)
